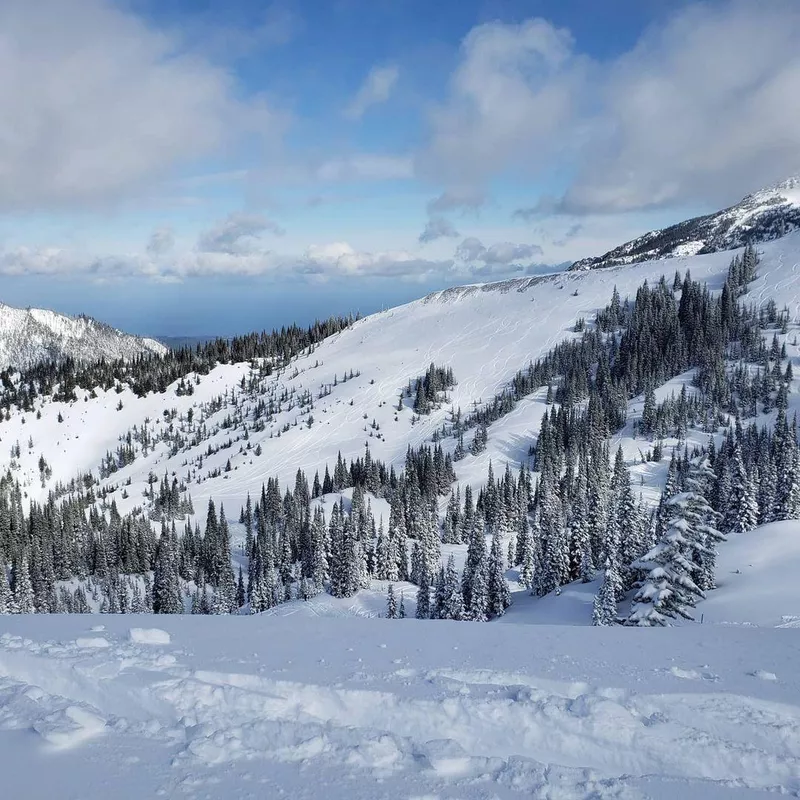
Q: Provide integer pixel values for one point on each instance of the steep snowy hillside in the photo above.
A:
(28, 336)
(486, 333)
(759, 217)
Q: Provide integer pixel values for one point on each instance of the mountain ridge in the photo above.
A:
(31, 335)
(761, 216)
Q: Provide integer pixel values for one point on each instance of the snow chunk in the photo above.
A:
(92, 641)
(148, 636)
(764, 675)
(686, 674)
(69, 727)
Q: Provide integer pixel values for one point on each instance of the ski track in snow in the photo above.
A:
(389, 723)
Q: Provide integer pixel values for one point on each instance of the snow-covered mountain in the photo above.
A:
(319, 697)
(29, 336)
(760, 217)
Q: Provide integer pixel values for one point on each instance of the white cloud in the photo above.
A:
(239, 234)
(499, 258)
(233, 248)
(365, 167)
(466, 199)
(700, 110)
(437, 228)
(376, 89)
(513, 95)
(339, 259)
(95, 104)
(161, 241)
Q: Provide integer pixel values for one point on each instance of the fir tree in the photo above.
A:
(424, 597)
(499, 597)
(604, 610)
(391, 603)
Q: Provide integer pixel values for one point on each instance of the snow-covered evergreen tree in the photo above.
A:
(604, 610)
(499, 596)
(668, 589)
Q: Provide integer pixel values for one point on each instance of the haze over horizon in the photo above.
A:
(169, 162)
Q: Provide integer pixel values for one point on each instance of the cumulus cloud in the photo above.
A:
(239, 234)
(376, 88)
(233, 249)
(365, 167)
(437, 228)
(498, 258)
(161, 241)
(341, 260)
(513, 94)
(469, 199)
(698, 111)
(96, 103)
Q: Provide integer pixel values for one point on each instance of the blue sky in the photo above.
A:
(200, 166)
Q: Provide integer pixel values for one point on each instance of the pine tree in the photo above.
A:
(167, 598)
(476, 558)
(6, 599)
(479, 594)
(742, 508)
(391, 603)
(240, 592)
(453, 605)
(604, 610)
(21, 587)
(499, 596)
(525, 553)
(424, 597)
(668, 589)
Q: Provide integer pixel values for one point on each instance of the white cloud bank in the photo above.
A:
(376, 89)
(701, 110)
(95, 104)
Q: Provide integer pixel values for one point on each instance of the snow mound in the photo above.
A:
(92, 641)
(148, 636)
(757, 578)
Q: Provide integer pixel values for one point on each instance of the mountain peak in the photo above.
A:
(31, 335)
(762, 216)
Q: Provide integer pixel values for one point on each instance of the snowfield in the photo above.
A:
(367, 709)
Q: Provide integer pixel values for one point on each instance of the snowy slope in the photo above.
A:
(28, 336)
(757, 578)
(759, 217)
(486, 333)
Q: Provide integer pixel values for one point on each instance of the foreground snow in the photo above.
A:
(358, 708)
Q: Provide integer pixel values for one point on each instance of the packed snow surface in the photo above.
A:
(255, 707)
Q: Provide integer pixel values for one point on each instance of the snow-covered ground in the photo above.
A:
(288, 706)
